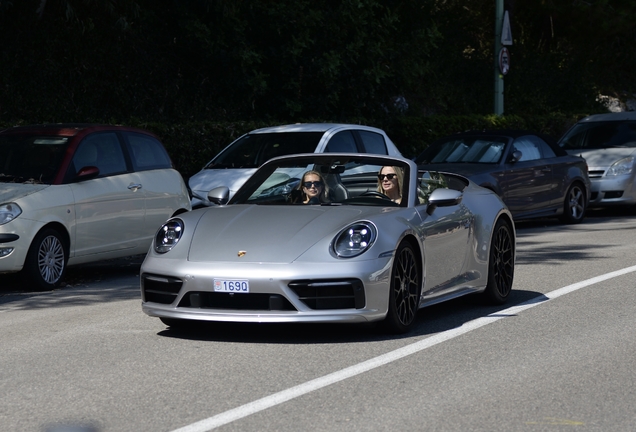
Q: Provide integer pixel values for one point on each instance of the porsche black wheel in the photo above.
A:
(404, 292)
(46, 260)
(501, 263)
(575, 204)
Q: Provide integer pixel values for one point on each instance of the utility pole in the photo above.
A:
(503, 37)
(499, 83)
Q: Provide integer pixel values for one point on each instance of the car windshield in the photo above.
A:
(252, 150)
(600, 135)
(324, 180)
(485, 150)
(30, 158)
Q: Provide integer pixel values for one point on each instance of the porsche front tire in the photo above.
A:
(404, 291)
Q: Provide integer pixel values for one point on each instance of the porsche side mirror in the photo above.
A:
(219, 195)
(443, 198)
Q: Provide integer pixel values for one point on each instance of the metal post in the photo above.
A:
(499, 83)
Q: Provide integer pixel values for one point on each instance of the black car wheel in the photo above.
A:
(46, 260)
(404, 293)
(575, 204)
(501, 263)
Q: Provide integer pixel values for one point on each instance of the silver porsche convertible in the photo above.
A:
(325, 238)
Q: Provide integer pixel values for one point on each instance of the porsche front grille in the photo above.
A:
(160, 289)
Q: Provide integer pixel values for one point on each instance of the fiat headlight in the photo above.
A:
(168, 235)
(8, 212)
(623, 166)
(355, 239)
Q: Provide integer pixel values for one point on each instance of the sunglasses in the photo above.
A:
(309, 184)
(388, 176)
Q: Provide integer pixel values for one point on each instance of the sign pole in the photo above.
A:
(499, 83)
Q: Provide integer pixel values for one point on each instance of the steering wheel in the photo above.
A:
(375, 194)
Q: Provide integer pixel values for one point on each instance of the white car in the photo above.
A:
(239, 160)
(72, 194)
(608, 144)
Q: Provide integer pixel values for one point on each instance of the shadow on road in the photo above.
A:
(107, 280)
(433, 319)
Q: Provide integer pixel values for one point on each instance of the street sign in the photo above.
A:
(504, 60)
(506, 33)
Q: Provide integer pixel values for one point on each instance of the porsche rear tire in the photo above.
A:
(404, 291)
(501, 264)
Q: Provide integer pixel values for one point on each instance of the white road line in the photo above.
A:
(318, 383)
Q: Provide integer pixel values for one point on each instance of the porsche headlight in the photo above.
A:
(623, 166)
(168, 235)
(8, 212)
(355, 239)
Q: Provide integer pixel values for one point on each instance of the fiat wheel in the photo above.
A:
(46, 260)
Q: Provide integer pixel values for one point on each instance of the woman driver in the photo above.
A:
(390, 181)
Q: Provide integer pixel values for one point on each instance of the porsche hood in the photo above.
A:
(262, 234)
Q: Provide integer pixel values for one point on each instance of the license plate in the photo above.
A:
(232, 285)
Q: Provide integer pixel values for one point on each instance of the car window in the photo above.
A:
(464, 150)
(427, 182)
(147, 152)
(252, 150)
(544, 148)
(373, 142)
(344, 180)
(600, 135)
(27, 158)
(102, 150)
(530, 149)
(342, 142)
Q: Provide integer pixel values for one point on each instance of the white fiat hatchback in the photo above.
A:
(72, 194)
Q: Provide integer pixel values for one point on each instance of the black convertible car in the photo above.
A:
(529, 171)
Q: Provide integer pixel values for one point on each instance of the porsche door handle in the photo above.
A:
(134, 187)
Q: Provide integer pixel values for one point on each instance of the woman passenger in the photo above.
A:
(313, 189)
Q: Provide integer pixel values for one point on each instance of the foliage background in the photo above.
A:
(202, 72)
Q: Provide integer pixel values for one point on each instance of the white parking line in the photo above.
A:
(318, 383)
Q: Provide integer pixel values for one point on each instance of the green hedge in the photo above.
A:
(192, 145)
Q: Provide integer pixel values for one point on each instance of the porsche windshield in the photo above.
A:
(327, 181)
(30, 158)
(464, 150)
(252, 150)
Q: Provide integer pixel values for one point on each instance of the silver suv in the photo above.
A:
(239, 160)
(608, 144)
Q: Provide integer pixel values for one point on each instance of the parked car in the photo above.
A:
(530, 172)
(239, 160)
(608, 144)
(356, 256)
(72, 194)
